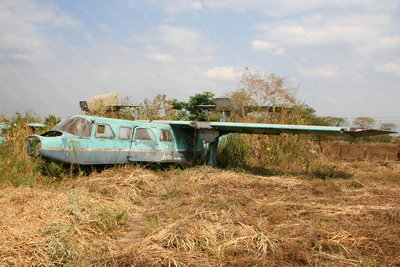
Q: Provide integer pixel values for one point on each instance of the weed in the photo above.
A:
(153, 222)
(106, 218)
(233, 151)
(330, 172)
(59, 243)
(99, 218)
(16, 168)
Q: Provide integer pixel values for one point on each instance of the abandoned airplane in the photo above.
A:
(90, 140)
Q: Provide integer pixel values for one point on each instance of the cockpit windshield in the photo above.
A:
(76, 126)
(57, 126)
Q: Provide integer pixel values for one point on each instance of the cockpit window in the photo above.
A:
(55, 128)
(77, 126)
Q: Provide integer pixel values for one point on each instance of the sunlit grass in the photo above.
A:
(318, 211)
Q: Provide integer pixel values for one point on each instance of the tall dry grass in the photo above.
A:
(369, 151)
(284, 153)
(132, 216)
(202, 216)
(16, 167)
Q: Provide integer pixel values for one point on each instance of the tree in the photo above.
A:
(190, 110)
(51, 120)
(334, 121)
(364, 122)
(387, 126)
(267, 89)
(178, 105)
(205, 98)
(261, 90)
(158, 108)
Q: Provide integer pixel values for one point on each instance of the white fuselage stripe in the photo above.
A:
(113, 149)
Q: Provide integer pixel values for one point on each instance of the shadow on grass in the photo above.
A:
(322, 172)
(331, 173)
(59, 170)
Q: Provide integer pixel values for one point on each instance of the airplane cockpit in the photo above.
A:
(76, 126)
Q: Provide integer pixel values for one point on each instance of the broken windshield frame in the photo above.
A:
(55, 128)
(76, 126)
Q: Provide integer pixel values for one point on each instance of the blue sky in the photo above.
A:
(343, 56)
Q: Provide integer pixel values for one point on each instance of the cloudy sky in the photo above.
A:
(343, 56)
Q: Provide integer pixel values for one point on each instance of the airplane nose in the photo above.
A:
(33, 145)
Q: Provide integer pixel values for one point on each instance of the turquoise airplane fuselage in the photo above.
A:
(90, 140)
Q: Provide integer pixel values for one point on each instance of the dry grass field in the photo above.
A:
(202, 216)
(285, 200)
(351, 151)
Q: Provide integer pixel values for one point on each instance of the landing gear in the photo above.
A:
(210, 137)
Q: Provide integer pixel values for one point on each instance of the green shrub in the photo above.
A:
(233, 151)
(16, 167)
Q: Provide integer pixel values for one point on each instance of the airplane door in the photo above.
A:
(125, 140)
(169, 153)
(144, 146)
(104, 148)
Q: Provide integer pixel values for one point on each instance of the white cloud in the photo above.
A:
(298, 34)
(196, 5)
(183, 38)
(56, 73)
(363, 33)
(160, 57)
(390, 67)
(269, 47)
(21, 39)
(65, 21)
(182, 43)
(173, 6)
(224, 73)
(132, 3)
(270, 8)
(286, 7)
(103, 75)
(280, 51)
(27, 11)
(262, 45)
(389, 42)
(105, 27)
(89, 37)
(324, 72)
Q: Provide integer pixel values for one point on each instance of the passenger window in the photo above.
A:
(104, 131)
(144, 134)
(125, 133)
(101, 129)
(166, 136)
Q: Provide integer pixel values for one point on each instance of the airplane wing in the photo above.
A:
(276, 129)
